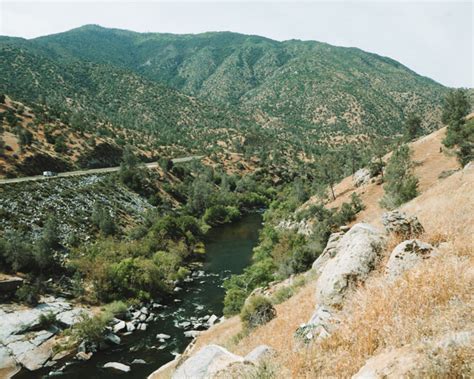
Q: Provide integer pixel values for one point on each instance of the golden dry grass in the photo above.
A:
(431, 300)
(434, 298)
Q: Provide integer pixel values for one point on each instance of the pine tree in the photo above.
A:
(412, 127)
(400, 183)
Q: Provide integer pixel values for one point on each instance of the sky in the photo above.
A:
(435, 39)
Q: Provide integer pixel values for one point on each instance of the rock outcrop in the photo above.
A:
(406, 255)
(302, 227)
(401, 224)
(329, 252)
(411, 361)
(206, 363)
(319, 326)
(361, 177)
(356, 255)
(21, 343)
(259, 354)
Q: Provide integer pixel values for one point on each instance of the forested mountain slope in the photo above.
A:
(107, 93)
(300, 83)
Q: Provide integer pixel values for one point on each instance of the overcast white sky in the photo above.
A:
(434, 39)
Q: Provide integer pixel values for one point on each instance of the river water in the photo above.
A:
(229, 251)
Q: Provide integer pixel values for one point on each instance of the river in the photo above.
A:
(229, 250)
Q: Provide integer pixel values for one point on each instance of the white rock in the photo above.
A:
(406, 255)
(130, 327)
(361, 177)
(259, 353)
(8, 365)
(25, 319)
(118, 327)
(69, 318)
(117, 366)
(328, 253)
(357, 253)
(83, 356)
(112, 338)
(162, 336)
(212, 320)
(206, 363)
(192, 333)
(35, 358)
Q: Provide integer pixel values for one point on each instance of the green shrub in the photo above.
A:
(257, 310)
(28, 294)
(219, 214)
(91, 328)
(47, 320)
(283, 294)
(234, 300)
(116, 308)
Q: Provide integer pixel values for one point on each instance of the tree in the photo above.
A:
(400, 183)
(460, 133)
(455, 107)
(330, 171)
(25, 137)
(166, 164)
(2, 98)
(60, 145)
(102, 219)
(412, 126)
(200, 195)
(132, 173)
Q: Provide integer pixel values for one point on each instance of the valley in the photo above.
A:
(223, 205)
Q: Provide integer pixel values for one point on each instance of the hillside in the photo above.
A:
(293, 84)
(106, 94)
(418, 325)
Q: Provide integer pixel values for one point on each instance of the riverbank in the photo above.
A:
(229, 250)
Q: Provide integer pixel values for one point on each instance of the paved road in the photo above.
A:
(91, 171)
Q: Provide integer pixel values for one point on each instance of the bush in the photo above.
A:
(257, 310)
(234, 300)
(102, 219)
(91, 328)
(28, 294)
(283, 294)
(47, 320)
(116, 308)
(219, 214)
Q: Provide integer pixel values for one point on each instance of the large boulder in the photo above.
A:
(8, 365)
(30, 356)
(206, 363)
(117, 366)
(399, 223)
(22, 320)
(357, 253)
(319, 326)
(329, 252)
(259, 354)
(413, 360)
(361, 177)
(406, 255)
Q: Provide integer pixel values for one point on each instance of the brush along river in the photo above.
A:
(228, 251)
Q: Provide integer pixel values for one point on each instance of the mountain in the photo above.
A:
(299, 83)
(211, 93)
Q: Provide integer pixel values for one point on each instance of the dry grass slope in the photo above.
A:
(427, 303)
